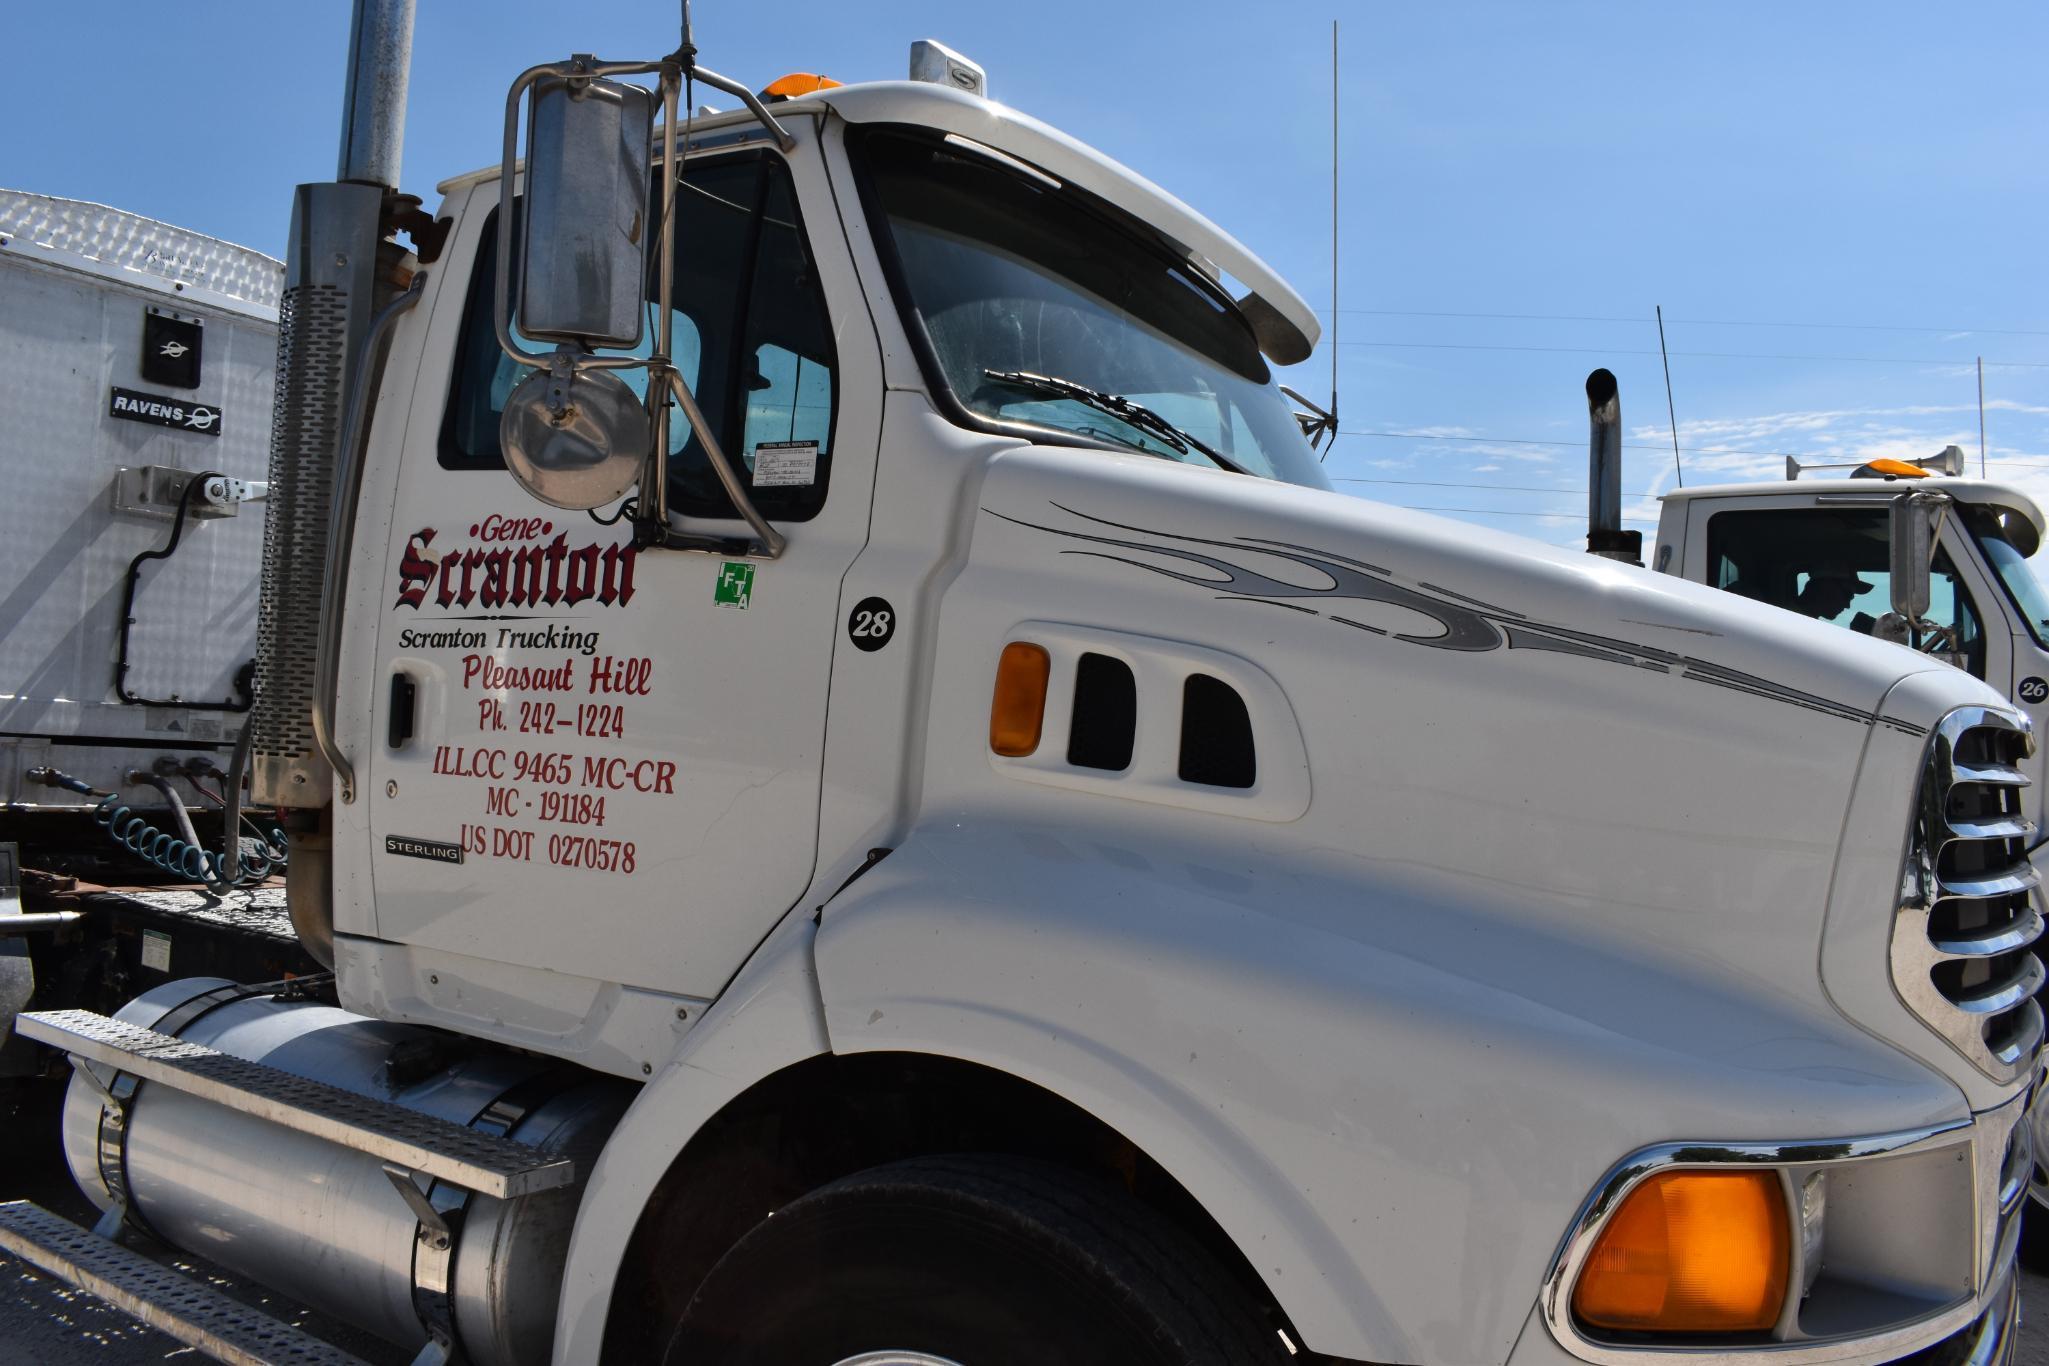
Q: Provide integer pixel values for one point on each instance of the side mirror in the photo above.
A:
(584, 238)
(1912, 537)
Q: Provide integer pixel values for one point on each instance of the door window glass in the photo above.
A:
(751, 338)
(1832, 564)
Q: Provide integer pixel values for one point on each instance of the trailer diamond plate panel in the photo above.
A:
(167, 1300)
(421, 1143)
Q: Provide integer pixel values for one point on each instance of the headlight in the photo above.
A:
(1691, 1252)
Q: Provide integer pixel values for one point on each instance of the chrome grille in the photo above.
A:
(1962, 945)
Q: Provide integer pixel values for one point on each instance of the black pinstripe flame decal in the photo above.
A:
(1469, 624)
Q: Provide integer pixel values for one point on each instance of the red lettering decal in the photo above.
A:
(583, 576)
(415, 571)
(445, 594)
(528, 578)
(471, 558)
(557, 549)
(497, 565)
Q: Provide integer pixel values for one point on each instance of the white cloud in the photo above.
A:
(1817, 423)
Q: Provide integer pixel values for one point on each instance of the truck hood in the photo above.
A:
(1441, 585)
(1580, 750)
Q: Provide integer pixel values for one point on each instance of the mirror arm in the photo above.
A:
(746, 97)
(770, 541)
(653, 504)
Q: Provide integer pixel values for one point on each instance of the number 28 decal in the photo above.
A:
(872, 624)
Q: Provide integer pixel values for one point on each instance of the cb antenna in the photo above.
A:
(1333, 236)
(1671, 414)
(1320, 425)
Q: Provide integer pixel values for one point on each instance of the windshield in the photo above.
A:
(2022, 577)
(1012, 274)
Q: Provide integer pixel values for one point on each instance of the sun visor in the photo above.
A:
(1280, 339)
(1282, 321)
(2022, 525)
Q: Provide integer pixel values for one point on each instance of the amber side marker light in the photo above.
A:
(1018, 708)
(1690, 1252)
(1899, 469)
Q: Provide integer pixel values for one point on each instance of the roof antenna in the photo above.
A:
(1320, 425)
(1670, 416)
(1333, 236)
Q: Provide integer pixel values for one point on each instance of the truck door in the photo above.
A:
(2021, 588)
(605, 761)
(1831, 563)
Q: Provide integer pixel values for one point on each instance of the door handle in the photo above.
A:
(404, 698)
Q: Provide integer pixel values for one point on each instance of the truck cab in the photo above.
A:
(898, 818)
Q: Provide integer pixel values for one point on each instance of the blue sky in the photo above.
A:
(1838, 205)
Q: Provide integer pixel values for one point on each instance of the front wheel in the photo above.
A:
(969, 1261)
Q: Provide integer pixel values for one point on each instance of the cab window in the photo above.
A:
(751, 338)
(1832, 564)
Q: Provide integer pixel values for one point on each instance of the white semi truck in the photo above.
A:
(888, 816)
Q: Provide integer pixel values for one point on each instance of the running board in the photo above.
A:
(421, 1144)
(167, 1300)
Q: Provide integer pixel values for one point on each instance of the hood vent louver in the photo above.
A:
(1962, 947)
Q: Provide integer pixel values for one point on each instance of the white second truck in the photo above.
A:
(888, 816)
(1916, 551)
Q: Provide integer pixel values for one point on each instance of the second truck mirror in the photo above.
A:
(585, 233)
(1912, 543)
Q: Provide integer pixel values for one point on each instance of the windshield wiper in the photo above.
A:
(1123, 409)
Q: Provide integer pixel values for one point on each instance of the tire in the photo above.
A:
(971, 1260)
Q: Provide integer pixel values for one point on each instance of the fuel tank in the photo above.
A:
(324, 1224)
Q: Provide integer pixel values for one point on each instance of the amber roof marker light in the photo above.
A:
(795, 84)
(1017, 709)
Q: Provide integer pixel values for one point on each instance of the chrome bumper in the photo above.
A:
(1988, 1341)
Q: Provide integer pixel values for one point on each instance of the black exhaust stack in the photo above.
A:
(1605, 536)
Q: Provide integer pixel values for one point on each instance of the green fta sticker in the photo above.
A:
(735, 586)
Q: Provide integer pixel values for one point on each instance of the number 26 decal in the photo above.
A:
(872, 624)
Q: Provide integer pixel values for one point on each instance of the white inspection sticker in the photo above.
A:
(785, 463)
(156, 950)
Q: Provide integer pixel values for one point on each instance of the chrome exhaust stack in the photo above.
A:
(1605, 536)
(335, 281)
(331, 291)
(330, 281)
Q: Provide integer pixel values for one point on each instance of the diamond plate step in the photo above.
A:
(167, 1300)
(420, 1143)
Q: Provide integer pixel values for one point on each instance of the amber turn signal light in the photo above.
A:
(1690, 1252)
(1018, 709)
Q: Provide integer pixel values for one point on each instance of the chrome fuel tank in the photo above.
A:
(323, 1224)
